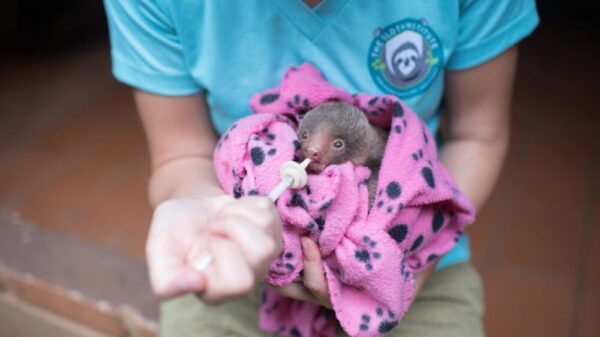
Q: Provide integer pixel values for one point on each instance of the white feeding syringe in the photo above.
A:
(293, 175)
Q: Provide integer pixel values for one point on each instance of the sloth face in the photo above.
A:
(407, 62)
(405, 59)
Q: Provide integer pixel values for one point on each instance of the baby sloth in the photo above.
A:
(334, 133)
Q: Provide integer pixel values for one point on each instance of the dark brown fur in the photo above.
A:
(364, 143)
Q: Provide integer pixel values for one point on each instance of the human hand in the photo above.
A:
(242, 235)
(314, 285)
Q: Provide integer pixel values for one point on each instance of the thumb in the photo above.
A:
(172, 277)
(314, 275)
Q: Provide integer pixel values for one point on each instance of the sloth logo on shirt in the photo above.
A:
(405, 57)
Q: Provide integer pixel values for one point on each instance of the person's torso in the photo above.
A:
(237, 48)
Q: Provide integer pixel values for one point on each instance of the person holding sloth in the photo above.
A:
(195, 64)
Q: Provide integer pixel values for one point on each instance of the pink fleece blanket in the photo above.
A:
(369, 255)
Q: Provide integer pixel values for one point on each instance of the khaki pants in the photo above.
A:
(449, 304)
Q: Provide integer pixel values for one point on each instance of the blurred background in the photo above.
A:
(73, 173)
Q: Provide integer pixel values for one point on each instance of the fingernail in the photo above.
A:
(306, 248)
(201, 264)
(303, 242)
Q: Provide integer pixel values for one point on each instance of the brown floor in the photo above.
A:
(73, 160)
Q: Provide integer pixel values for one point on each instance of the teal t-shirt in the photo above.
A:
(232, 49)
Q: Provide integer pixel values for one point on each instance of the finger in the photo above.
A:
(229, 275)
(170, 277)
(314, 275)
(422, 276)
(199, 257)
(260, 209)
(169, 273)
(296, 291)
(258, 248)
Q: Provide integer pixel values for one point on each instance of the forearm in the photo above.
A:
(184, 176)
(181, 142)
(193, 218)
(475, 164)
(477, 135)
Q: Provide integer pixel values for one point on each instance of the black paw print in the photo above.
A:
(299, 104)
(386, 324)
(261, 148)
(426, 171)
(286, 261)
(393, 190)
(364, 322)
(364, 255)
(374, 108)
(417, 155)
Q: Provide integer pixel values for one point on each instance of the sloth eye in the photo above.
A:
(338, 144)
(304, 134)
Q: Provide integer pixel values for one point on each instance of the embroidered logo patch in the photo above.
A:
(405, 57)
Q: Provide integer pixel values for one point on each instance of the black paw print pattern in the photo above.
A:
(318, 211)
(399, 232)
(298, 157)
(271, 308)
(366, 255)
(398, 122)
(427, 169)
(382, 321)
(299, 104)
(412, 239)
(294, 332)
(299, 200)
(404, 270)
(237, 190)
(262, 146)
(269, 98)
(442, 215)
(287, 261)
(388, 198)
(376, 106)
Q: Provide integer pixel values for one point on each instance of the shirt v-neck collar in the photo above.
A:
(310, 21)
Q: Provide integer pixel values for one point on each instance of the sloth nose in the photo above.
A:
(313, 152)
